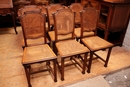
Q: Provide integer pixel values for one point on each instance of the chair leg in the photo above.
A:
(55, 70)
(84, 63)
(27, 71)
(90, 61)
(14, 22)
(54, 48)
(62, 69)
(108, 56)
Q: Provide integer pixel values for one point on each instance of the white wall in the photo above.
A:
(126, 42)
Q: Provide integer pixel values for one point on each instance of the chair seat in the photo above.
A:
(38, 53)
(70, 47)
(34, 42)
(96, 43)
(85, 34)
(60, 37)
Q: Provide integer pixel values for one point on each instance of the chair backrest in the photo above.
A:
(51, 9)
(64, 22)
(76, 7)
(90, 3)
(28, 8)
(33, 26)
(43, 9)
(89, 19)
(40, 2)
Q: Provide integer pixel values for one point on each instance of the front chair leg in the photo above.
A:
(84, 63)
(90, 61)
(27, 71)
(55, 73)
(62, 69)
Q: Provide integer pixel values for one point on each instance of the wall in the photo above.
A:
(126, 42)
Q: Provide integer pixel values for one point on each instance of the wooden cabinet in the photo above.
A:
(113, 19)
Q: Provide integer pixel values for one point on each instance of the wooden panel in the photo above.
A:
(6, 4)
(120, 18)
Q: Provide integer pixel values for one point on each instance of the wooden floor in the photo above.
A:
(12, 72)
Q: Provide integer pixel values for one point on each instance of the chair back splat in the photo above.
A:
(33, 26)
(89, 20)
(33, 8)
(64, 23)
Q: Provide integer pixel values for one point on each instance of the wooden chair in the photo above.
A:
(76, 7)
(89, 20)
(67, 48)
(33, 26)
(50, 10)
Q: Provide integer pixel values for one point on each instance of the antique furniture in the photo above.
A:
(34, 27)
(50, 10)
(19, 4)
(6, 7)
(24, 9)
(90, 3)
(113, 19)
(40, 2)
(68, 47)
(76, 7)
(89, 20)
(41, 9)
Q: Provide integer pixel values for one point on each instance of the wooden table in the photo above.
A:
(6, 7)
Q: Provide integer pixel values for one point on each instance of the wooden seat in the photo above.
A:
(89, 19)
(68, 47)
(33, 26)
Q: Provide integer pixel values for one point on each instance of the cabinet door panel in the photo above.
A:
(119, 18)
